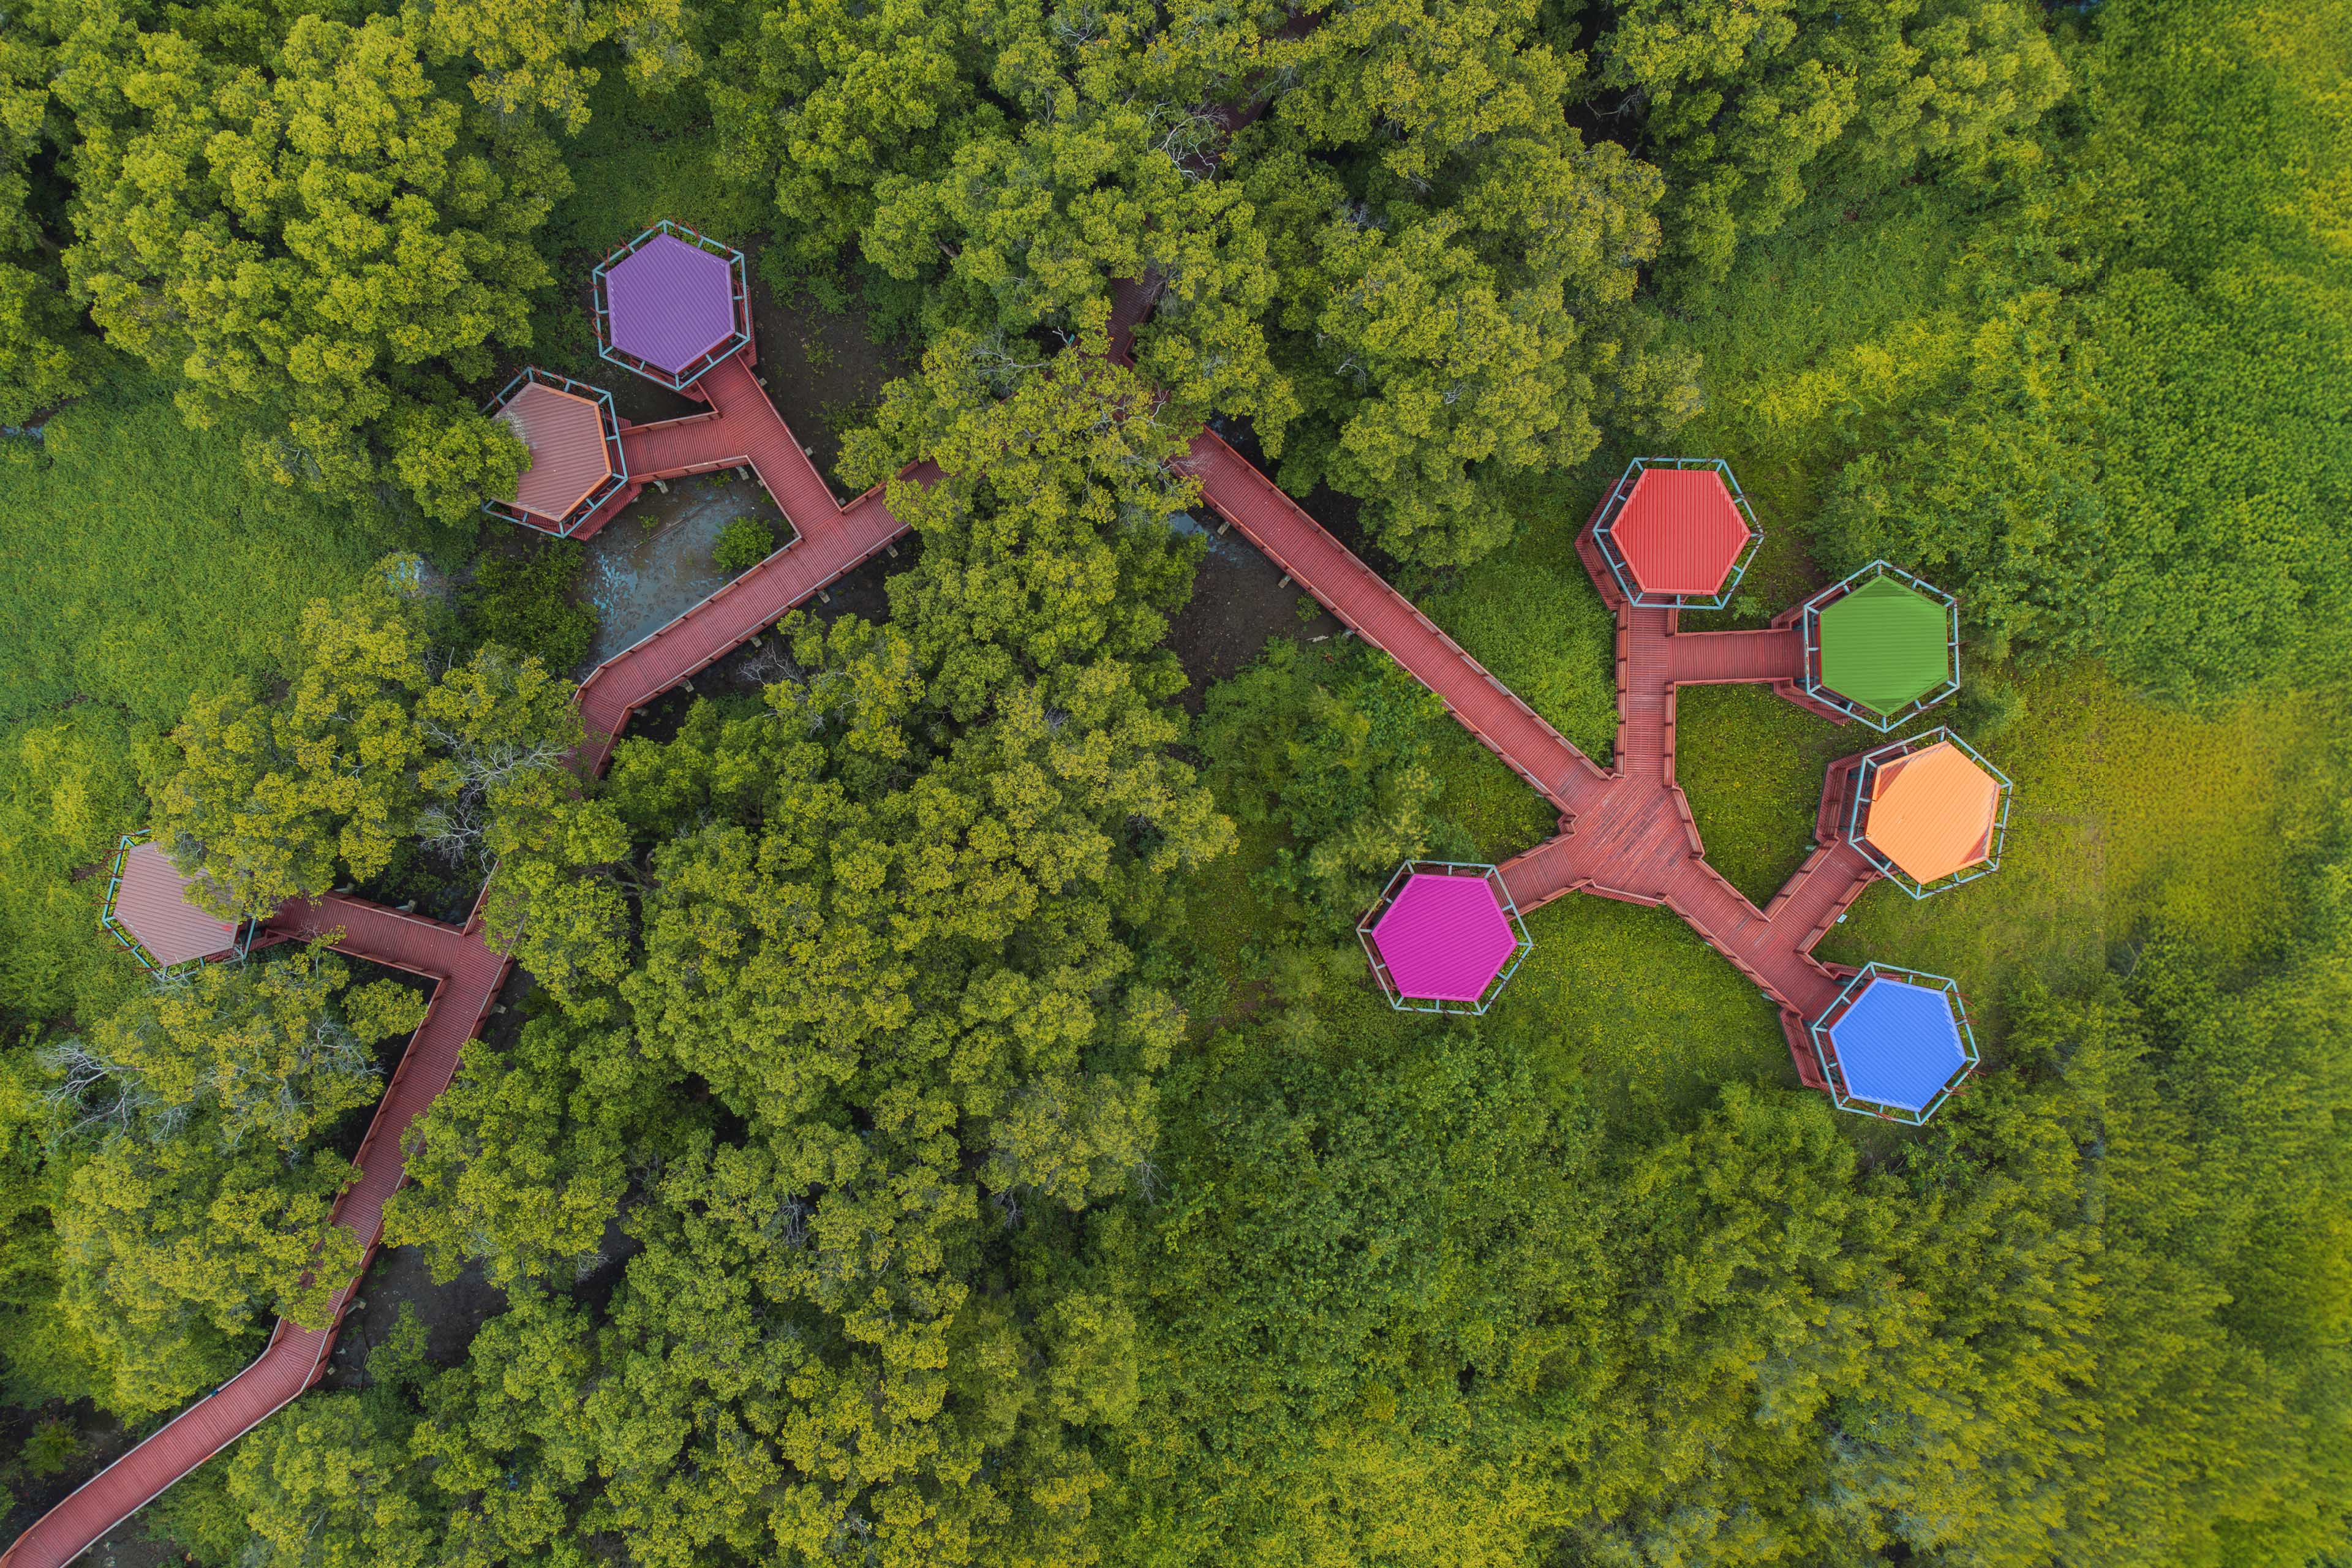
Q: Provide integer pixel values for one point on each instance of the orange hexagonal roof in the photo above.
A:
(1679, 531)
(566, 436)
(1934, 812)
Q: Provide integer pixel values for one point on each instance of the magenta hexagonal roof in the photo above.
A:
(1445, 938)
(671, 302)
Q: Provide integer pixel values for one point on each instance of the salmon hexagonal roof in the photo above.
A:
(1680, 532)
(569, 459)
(1934, 812)
(152, 903)
(1445, 939)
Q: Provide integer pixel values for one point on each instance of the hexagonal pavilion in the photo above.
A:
(1930, 812)
(1895, 1044)
(671, 303)
(574, 437)
(149, 911)
(1677, 532)
(1443, 938)
(1881, 646)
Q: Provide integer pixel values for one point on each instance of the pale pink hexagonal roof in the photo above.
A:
(1443, 938)
(152, 903)
(671, 302)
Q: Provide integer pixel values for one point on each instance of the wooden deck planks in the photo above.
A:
(744, 428)
(1629, 832)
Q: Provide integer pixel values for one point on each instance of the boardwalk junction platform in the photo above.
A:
(1672, 534)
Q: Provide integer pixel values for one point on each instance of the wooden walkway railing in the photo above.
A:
(830, 540)
(1628, 831)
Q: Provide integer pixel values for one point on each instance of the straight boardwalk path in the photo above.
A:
(741, 610)
(1627, 834)
(1774, 655)
(1364, 602)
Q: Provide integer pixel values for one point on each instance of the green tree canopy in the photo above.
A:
(45, 356)
(1413, 278)
(191, 1193)
(525, 54)
(1742, 106)
(1455, 269)
(365, 751)
(527, 1158)
(1333, 748)
(2111, 436)
(891, 914)
(314, 241)
(1385, 1363)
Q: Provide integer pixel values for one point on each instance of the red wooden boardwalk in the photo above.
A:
(1627, 834)
(469, 975)
(743, 427)
(741, 609)
(1775, 654)
(1363, 600)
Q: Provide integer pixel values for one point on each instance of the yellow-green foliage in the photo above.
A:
(1494, 805)
(1529, 614)
(140, 566)
(1634, 999)
(1753, 767)
(67, 788)
(324, 249)
(141, 563)
(2096, 395)
(2126, 814)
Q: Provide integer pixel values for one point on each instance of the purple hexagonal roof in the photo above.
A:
(1443, 938)
(671, 302)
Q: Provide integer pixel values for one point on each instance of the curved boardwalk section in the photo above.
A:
(743, 607)
(468, 974)
(1628, 834)
(744, 428)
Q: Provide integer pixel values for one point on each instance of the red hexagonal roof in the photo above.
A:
(1679, 531)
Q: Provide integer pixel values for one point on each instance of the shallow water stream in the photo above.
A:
(651, 564)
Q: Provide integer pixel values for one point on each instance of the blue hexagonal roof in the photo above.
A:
(1899, 1044)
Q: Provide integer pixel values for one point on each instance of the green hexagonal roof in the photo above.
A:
(1885, 644)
